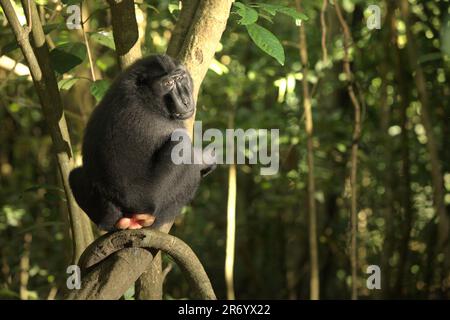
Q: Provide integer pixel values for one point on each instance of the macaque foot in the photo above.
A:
(135, 221)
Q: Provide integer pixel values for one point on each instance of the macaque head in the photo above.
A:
(166, 86)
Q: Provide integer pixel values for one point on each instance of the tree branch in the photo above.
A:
(181, 29)
(108, 279)
(323, 25)
(125, 30)
(201, 41)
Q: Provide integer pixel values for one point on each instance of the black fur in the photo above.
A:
(127, 166)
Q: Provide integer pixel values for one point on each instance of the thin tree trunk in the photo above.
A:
(231, 232)
(354, 154)
(231, 222)
(25, 266)
(323, 25)
(432, 146)
(388, 172)
(406, 193)
(313, 245)
(406, 197)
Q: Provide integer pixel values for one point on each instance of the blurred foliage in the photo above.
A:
(257, 90)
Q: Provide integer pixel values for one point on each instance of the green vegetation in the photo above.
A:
(259, 78)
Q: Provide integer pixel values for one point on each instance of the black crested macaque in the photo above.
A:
(128, 179)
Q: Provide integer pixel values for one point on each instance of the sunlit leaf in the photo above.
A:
(267, 41)
(13, 215)
(218, 67)
(129, 294)
(248, 15)
(173, 7)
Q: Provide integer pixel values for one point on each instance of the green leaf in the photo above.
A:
(267, 41)
(67, 56)
(291, 12)
(274, 8)
(66, 84)
(269, 8)
(173, 7)
(105, 38)
(266, 17)
(129, 294)
(248, 15)
(9, 47)
(99, 88)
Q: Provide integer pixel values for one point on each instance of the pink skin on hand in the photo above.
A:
(135, 221)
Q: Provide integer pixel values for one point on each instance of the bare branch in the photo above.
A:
(86, 41)
(101, 280)
(166, 271)
(110, 279)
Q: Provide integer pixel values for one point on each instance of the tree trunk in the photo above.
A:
(354, 155)
(432, 146)
(125, 30)
(313, 245)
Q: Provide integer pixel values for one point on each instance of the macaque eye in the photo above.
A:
(179, 78)
(168, 83)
